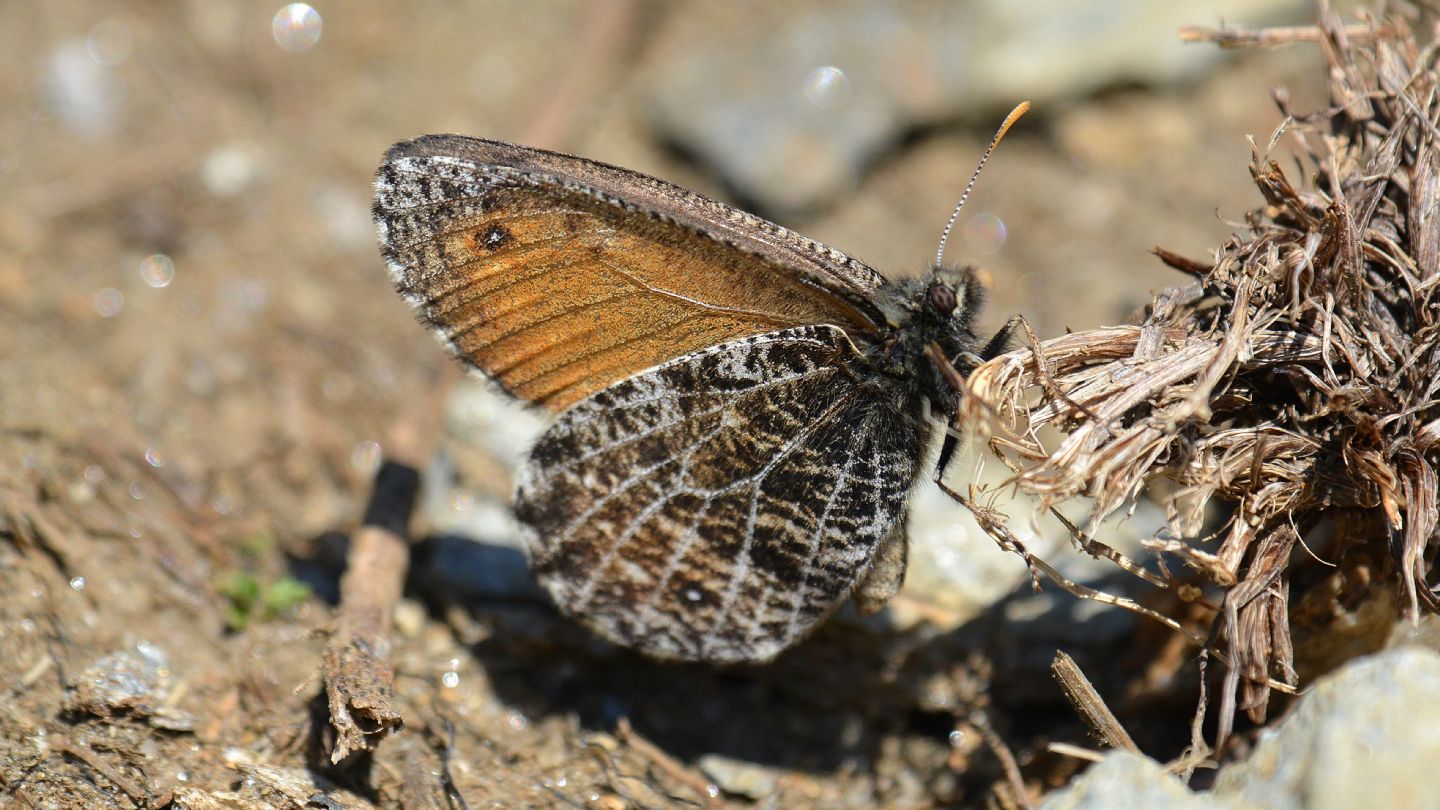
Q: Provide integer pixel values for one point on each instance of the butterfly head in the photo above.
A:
(952, 293)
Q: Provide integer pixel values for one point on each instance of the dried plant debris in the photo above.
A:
(1283, 406)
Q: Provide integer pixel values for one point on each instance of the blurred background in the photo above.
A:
(200, 352)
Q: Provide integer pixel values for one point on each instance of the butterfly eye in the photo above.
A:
(942, 297)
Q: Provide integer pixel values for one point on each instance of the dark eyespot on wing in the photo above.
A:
(493, 237)
(718, 506)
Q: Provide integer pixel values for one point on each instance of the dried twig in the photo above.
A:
(359, 683)
(1088, 703)
(136, 793)
(1020, 796)
(1268, 37)
(706, 792)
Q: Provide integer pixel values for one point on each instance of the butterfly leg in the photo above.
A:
(1001, 341)
(965, 363)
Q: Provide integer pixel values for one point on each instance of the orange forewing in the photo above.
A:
(557, 293)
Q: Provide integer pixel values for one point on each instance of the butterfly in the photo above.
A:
(742, 412)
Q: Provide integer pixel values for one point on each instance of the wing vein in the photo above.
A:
(732, 590)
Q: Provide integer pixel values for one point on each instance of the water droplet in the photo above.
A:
(984, 234)
(956, 738)
(94, 474)
(451, 679)
(154, 457)
(157, 270)
(518, 721)
(296, 27)
(109, 302)
(77, 583)
(137, 492)
(827, 88)
(153, 653)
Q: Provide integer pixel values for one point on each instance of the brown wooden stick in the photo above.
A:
(1090, 706)
(1281, 35)
(359, 683)
(1011, 768)
(136, 793)
(690, 779)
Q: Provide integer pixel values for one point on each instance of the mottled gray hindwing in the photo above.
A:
(717, 506)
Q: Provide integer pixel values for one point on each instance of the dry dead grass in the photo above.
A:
(1282, 406)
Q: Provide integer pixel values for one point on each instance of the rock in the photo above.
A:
(739, 778)
(1122, 781)
(130, 682)
(192, 799)
(793, 107)
(1364, 736)
(956, 571)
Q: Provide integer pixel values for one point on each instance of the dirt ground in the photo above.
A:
(199, 351)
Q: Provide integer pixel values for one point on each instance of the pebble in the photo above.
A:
(739, 778)
(128, 682)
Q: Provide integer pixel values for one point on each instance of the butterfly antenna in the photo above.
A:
(1020, 109)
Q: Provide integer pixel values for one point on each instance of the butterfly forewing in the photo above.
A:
(717, 506)
(558, 276)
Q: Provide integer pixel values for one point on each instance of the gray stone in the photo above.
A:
(1364, 736)
(739, 778)
(794, 105)
(1122, 781)
(130, 682)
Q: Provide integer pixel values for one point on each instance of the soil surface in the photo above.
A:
(200, 352)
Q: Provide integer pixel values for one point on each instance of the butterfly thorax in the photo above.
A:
(937, 309)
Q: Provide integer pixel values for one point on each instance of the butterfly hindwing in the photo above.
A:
(719, 505)
(558, 276)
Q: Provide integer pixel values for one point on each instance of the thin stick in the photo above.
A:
(666, 763)
(1074, 751)
(1020, 109)
(1002, 752)
(1090, 706)
(1280, 35)
(136, 793)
